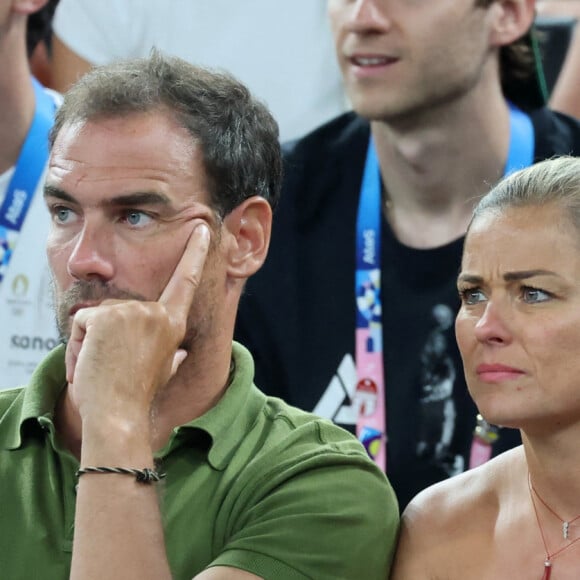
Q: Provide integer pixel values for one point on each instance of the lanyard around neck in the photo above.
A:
(28, 171)
(369, 399)
(370, 394)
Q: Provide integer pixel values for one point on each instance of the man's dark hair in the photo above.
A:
(237, 135)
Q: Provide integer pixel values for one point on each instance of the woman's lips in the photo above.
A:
(496, 373)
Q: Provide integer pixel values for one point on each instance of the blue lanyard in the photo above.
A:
(368, 225)
(521, 151)
(368, 239)
(30, 164)
(368, 398)
(27, 174)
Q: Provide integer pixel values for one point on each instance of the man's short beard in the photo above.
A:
(85, 291)
(97, 291)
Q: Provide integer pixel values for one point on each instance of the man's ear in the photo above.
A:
(248, 229)
(511, 20)
(28, 6)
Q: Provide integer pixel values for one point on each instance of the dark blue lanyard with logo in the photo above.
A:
(28, 171)
(370, 393)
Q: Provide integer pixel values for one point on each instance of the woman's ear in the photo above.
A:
(248, 228)
(512, 19)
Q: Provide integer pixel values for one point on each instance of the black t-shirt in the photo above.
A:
(297, 315)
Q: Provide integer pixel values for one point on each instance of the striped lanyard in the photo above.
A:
(370, 394)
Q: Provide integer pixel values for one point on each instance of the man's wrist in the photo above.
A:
(116, 441)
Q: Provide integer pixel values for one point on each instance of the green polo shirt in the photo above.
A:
(253, 484)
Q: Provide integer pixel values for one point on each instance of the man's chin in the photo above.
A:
(63, 337)
(64, 326)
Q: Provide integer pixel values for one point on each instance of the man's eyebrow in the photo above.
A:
(52, 191)
(508, 276)
(129, 199)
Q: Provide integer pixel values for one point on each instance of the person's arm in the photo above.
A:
(67, 66)
(88, 33)
(118, 355)
(565, 96)
(226, 573)
(447, 529)
(409, 560)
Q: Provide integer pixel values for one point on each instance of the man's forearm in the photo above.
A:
(118, 526)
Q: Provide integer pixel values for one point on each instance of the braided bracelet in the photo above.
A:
(145, 475)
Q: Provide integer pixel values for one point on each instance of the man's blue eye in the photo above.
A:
(137, 218)
(63, 214)
(134, 218)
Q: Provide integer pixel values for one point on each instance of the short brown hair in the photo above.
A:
(236, 133)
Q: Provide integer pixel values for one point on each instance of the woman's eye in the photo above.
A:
(532, 295)
(471, 295)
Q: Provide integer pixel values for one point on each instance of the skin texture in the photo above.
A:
(146, 283)
(520, 309)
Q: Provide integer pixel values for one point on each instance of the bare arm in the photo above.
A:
(566, 94)
(225, 573)
(409, 562)
(67, 66)
(118, 355)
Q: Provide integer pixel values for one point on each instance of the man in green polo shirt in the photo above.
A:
(141, 448)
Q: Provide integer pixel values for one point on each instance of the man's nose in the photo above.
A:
(368, 16)
(92, 255)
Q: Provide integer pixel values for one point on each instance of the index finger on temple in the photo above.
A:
(180, 289)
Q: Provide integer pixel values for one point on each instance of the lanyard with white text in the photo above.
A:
(370, 395)
(520, 155)
(27, 173)
(369, 398)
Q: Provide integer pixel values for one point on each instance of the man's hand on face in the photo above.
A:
(121, 352)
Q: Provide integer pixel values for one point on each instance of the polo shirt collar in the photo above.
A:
(35, 403)
(234, 415)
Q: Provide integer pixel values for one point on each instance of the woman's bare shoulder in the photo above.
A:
(467, 491)
(449, 521)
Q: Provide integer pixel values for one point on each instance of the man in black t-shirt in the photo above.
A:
(431, 83)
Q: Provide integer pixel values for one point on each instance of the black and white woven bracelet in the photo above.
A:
(145, 475)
